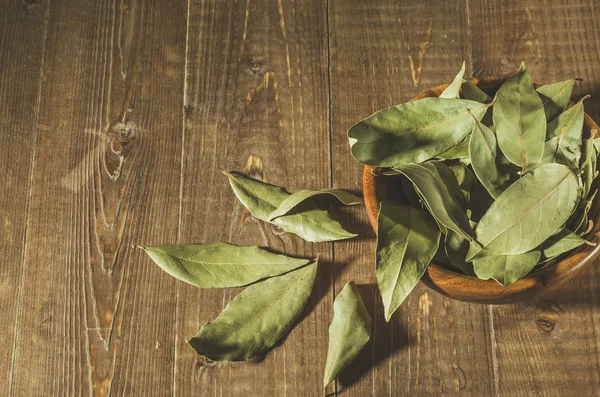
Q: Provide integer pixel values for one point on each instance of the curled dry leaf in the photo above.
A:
(438, 187)
(297, 198)
(305, 220)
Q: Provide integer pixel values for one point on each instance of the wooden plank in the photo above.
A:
(380, 56)
(20, 82)
(548, 347)
(256, 101)
(97, 317)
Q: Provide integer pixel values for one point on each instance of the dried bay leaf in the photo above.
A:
(565, 133)
(555, 97)
(464, 177)
(300, 196)
(257, 318)
(456, 249)
(349, 332)
(588, 166)
(527, 212)
(472, 92)
(459, 151)
(220, 265)
(452, 91)
(485, 160)
(438, 187)
(413, 132)
(520, 121)
(305, 220)
(407, 240)
(560, 243)
(506, 269)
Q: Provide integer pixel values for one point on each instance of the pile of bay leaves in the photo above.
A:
(492, 187)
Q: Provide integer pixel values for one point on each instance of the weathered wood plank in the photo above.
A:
(20, 85)
(380, 56)
(256, 101)
(548, 347)
(97, 317)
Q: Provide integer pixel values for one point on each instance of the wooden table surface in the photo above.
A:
(116, 119)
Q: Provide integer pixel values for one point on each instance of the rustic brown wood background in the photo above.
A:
(116, 118)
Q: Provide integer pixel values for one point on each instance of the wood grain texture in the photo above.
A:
(433, 345)
(20, 81)
(107, 159)
(256, 102)
(115, 120)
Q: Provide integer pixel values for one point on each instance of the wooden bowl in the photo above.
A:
(472, 289)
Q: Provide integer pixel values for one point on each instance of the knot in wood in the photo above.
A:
(255, 66)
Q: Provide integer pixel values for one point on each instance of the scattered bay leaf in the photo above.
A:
(413, 132)
(453, 89)
(438, 187)
(349, 332)
(220, 265)
(506, 269)
(527, 212)
(300, 196)
(407, 240)
(305, 220)
(555, 97)
(257, 318)
(520, 121)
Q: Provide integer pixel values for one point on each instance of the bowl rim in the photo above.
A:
(470, 288)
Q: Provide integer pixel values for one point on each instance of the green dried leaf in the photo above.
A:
(464, 177)
(407, 240)
(565, 133)
(506, 269)
(528, 212)
(220, 265)
(453, 89)
(520, 121)
(555, 97)
(349, 332)
(472, 92)
(485, 160)
(305, 220)
(597, 144)
(438, 187)
(413, 132)
(560, 243)
(588, 166)
(456, 249)
(301, 196)
(459, 151)
(257, 318)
